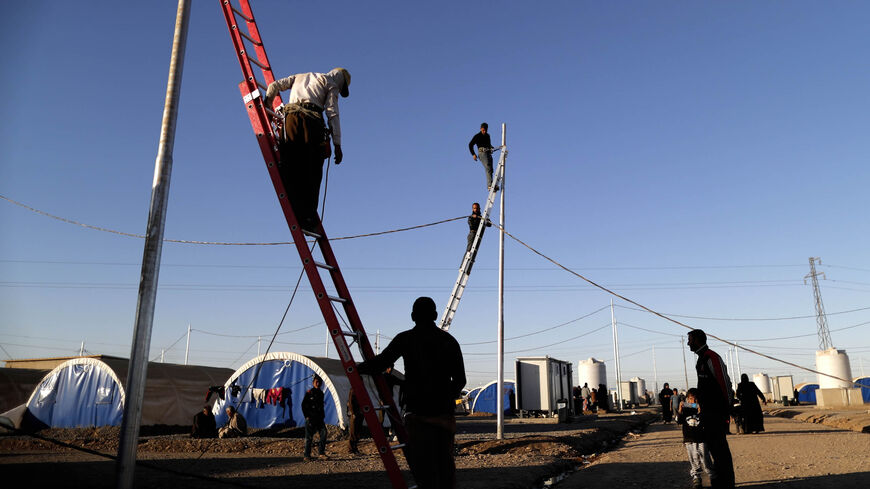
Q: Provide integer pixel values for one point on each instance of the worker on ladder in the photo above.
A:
(304, 143)
(474, 221)
(484, 152)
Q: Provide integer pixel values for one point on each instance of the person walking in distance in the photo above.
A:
(714, 401)
(484, 152)
(434, 378)
(304, 142)
(665, 400)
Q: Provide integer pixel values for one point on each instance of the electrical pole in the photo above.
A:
(499, 403)
(824, 333)
(187, 348)
(616, 357)
(685, 370)
(737, 357)
(82, 350)
(137, 371)
(655, 371)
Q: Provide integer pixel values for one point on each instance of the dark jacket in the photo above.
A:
(434, 369)
(688, 417)
(204, 426)
(312, 407)
(481, 140)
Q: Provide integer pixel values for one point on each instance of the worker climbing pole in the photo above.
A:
(267, 125)
(471, 253)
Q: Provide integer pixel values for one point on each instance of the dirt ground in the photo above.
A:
(789, 454)
(532, 451)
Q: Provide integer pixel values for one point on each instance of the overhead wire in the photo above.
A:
(219, 243)
(656, 313)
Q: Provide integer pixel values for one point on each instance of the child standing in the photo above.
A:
(699, 458)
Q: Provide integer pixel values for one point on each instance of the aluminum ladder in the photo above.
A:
(468, 258)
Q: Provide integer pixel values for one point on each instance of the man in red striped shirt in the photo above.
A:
(715, 400)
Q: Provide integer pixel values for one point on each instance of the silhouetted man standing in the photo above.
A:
(714, 399)
(434, 378)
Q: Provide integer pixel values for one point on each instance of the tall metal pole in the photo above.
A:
(259, 339)
(326, 345)
(737, 357)
(162, 355)
(731, 366)
(824, 333)
(187, 348)
(685, 370)
(82, 350)
(378, 342)
(655, 371)
(499, 403)
(616, 357)
(126, 463)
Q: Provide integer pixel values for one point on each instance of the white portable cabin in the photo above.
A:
(542, 383)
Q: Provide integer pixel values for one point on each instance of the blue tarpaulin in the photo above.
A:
(78, 393)
(290, 371)
(485, 399)
(807, 393)
(865, 388)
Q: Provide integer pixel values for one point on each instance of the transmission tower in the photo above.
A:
(825, 342)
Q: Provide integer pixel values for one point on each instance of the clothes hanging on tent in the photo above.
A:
(258, 396)
(215, 389)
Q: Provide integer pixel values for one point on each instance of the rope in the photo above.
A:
(656, 313)
(219, 243)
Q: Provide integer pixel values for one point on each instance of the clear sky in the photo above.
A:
(691, 156)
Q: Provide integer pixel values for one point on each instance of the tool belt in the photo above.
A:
(304, 127)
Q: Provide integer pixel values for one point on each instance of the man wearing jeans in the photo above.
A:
(484, 152)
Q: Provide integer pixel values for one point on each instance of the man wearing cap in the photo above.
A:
(484, 152)
(304, 143)
(434, 378)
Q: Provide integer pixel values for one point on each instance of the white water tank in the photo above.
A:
(762, 381)
(641, 387)
(834, 362)
(592, 372)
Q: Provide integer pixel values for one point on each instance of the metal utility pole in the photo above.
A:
(126, 462)
(685, 370)
(499, 403)
(187, 348)
(737, 357)
(82, 350)
(616, 358)
(378, 342)
(655, 371)
(259, 339)
(162, 355)
(824, 333)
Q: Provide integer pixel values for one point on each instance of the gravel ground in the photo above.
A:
(532, 451)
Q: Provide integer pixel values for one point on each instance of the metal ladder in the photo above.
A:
(246, 38)
(468, 259)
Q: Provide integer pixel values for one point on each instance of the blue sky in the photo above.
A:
(689, 156)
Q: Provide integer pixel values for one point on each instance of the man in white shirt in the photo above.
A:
(305, 140)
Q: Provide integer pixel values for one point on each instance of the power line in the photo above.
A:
(746, 319)
(217, 243)
(651, 311)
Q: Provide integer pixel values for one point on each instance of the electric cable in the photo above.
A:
(746, 319)
(540, 331)
(656, 313)
(220, 243)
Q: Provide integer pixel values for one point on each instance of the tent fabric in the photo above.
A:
(77, 393)
(865, 387)
(807, 392)
(16, 385)
(293, 371)
(485, 400)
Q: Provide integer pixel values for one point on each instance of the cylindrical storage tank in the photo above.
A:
(592, 372)
(762, 381)
(641, 387)
(834, 362)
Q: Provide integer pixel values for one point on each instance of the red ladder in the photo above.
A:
(263, 121)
